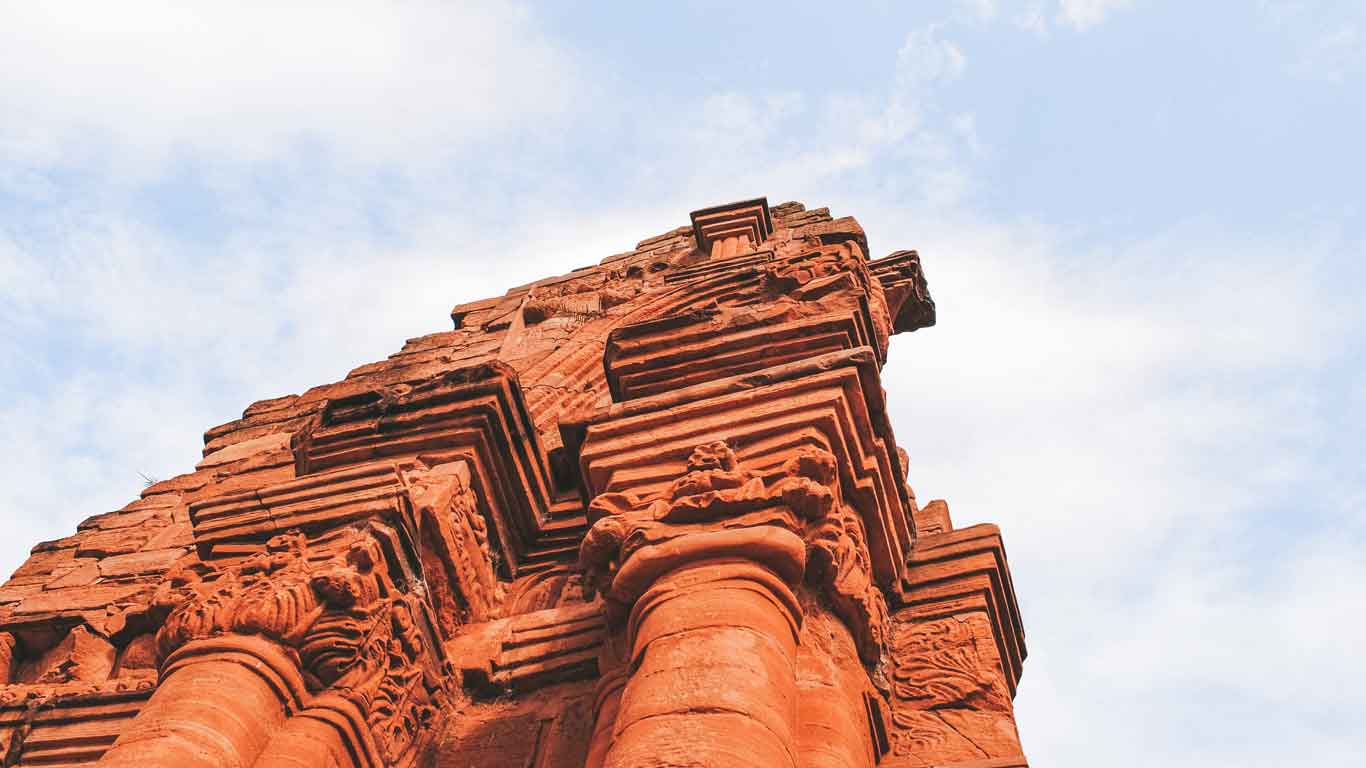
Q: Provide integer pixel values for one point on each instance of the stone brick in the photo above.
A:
(76, 599)
(134, 563)
(87, 572)
(102, 543)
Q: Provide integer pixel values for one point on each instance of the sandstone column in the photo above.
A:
(242, 641)
(702, 581)
(218, 703)
(320, 737)
(713, 643)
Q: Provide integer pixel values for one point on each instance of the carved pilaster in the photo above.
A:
(454, 544)
(326, 596)
(703, 577)
(957, 647)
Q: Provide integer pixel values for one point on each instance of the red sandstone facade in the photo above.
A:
(647, 513)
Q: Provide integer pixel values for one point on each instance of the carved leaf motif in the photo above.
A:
(939, 666)
(355, 633)
(716, 488)
(280, 594)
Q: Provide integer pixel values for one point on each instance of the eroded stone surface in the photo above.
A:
(650, 512)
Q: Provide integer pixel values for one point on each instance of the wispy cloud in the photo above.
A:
(137, 83)
(1161, 420)
(1143, 432)
(1039, 16)
(1081, 14)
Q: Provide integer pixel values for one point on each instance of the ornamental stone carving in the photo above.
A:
(650, 512)
(726, 508)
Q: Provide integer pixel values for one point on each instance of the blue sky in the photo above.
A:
(1142, 222)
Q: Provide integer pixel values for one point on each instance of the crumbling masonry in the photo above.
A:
(647, 513)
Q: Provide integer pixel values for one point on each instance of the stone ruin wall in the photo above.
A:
(646, 513)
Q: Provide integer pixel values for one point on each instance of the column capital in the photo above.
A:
(832, 402)
(329, 622)
(790, 519)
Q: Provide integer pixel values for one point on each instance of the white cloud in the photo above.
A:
(1032, 18)
(1082, 14)
(925, 62)
(1326, 37)
(741, 144)
(983, 10)
(1136, 415)
(1034, 15)
(133, 84)
(197, 337)
(1139, 422)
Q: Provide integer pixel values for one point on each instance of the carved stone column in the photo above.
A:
(606, 703)
(838, 704)
(703, 581)
(219, 702)
(714, 656)
(308, 740)
(315, 632)
(7, 646)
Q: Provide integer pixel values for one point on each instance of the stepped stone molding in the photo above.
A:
(723, 230)
(476, 414)
(967, 568)
(833, 402)
(67, 725)
(533, 650)
(958, 649)
(649, 512)
(666, 355)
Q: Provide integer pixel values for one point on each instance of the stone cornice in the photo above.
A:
(476, 414)
(832, 401)
(748, 221)
(665, 355)
(908, 294)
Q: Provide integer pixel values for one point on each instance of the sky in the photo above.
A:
(1141, 222)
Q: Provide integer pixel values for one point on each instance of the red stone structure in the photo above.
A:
(647, 513)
